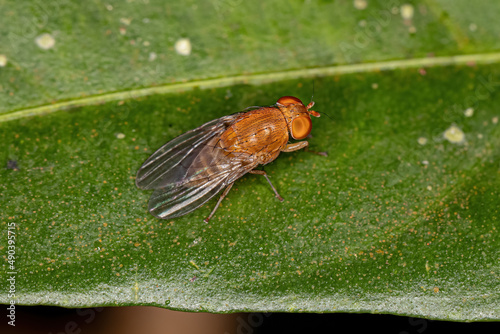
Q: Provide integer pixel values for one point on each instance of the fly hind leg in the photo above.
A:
(261, 172)
(226, 191)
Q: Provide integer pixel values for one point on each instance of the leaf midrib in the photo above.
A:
(255, 79)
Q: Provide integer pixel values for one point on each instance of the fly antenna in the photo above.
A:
(312, 96)
(324, 113)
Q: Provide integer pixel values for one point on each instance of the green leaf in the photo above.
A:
(402, 216)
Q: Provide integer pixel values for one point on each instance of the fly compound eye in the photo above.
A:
(301, 127)
(287, 100)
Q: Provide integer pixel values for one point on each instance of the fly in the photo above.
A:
(192, 168)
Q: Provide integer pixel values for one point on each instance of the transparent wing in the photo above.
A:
(190, 170)
(213, 171)
(177, 200)
(173, 162)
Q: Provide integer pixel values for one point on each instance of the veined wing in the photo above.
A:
(177, 200)
(178, 160)
(191, 169)
(219, 170)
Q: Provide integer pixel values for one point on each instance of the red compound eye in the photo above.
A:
(287, 100)
(301, 127)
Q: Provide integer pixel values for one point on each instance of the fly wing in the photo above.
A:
(191, 169)
(174, 201)
(177, 200)
(173, 162)
(213, 170)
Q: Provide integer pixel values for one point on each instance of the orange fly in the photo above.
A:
(191, 169)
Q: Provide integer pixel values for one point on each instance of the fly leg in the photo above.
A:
(261, 172)
(219, 201)
(299, 145)
(295, 146)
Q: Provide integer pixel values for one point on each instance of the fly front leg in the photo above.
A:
(226, 191)
(299, 145)
(261, 172)
(295, 146)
